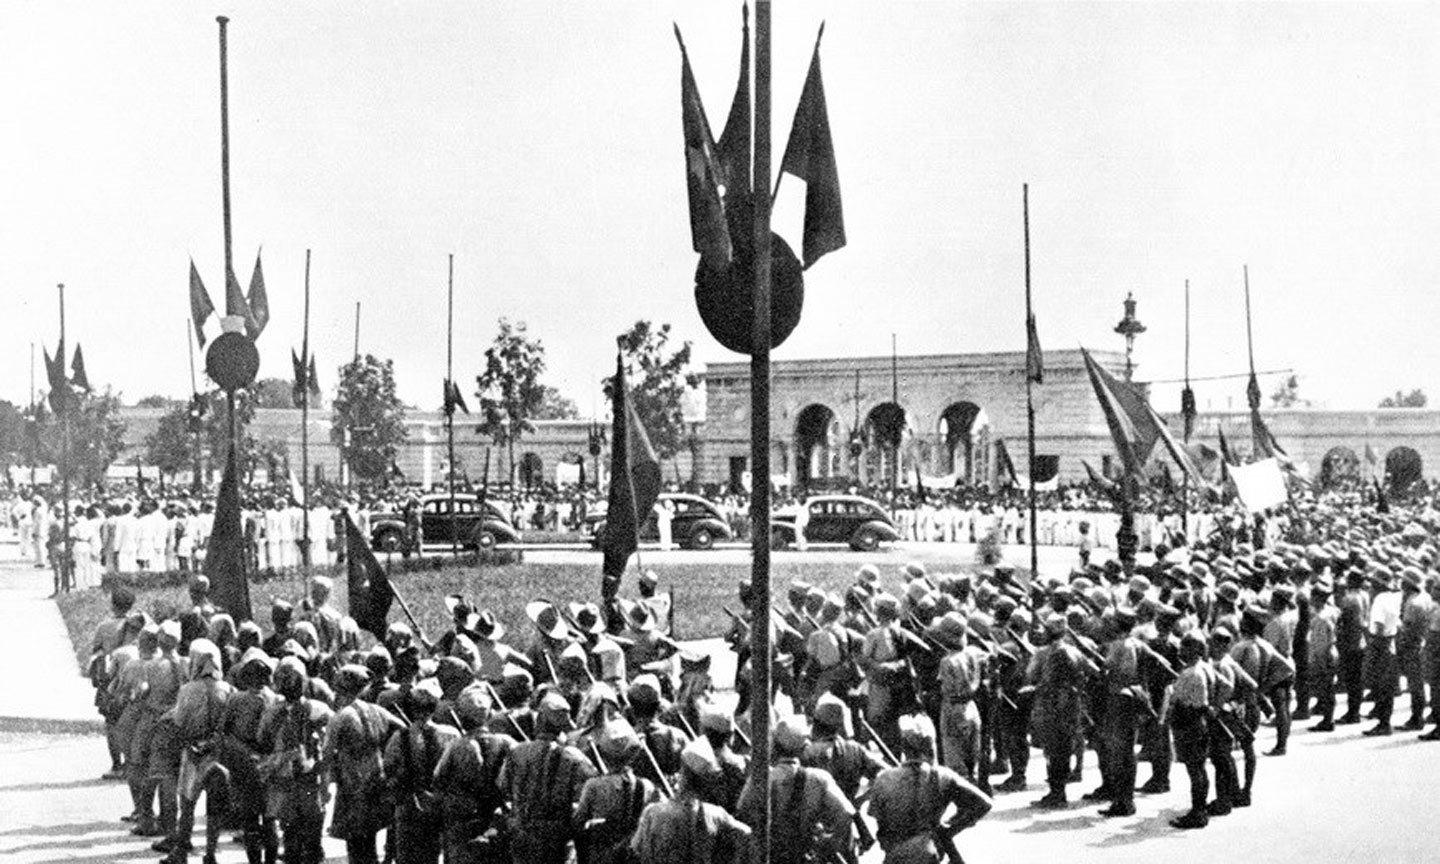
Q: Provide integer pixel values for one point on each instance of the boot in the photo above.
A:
(1193, 819)
(1378, 730)
(1119, 808)
(1103, 793)
(1218, 807)
(1414, 724)
(1323, 726)
(1155, 786)
(1055, 800)
(1015, 783)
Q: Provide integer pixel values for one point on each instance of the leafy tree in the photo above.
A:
(156, 401)
(1414, 399)
(1287, 395)
(554, 406)
(13, 437)
(274, 393)
(97, 435)
(368, 419)
(217, 425)
(658, 377)
(510, 393)
(172, 446)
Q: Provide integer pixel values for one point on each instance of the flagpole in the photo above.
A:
(34, 419)
(308, 560)
(894, 400)
(1030, 388)
(62, 575)
(760, 668)
(1249, 336)
(450, 404)
(1186, 421)
(225, 195)
(194, 426)
(357, 330)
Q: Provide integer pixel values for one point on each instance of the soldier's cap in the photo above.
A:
(473, 705)
(254, 656)
(915, 570)
(351, 678)
(1222, 635)
(617, 739)
(1081, 585)
(290, 675)
(1004, 606)
(867, 573)
(916, 589)
(814, 600)
(792, 733)
(797, 590)
(1138, 584)
(650, 578)
(830, 711)
(398, 630)
(1004, 571)
(573, 656)
(949, 630)
(714, 718)
(1322, 587)
(1412, 577)
(170, 631)
(587, 618)
(553, 712)
(513, 673)
(456, 605)
(1282, 594)
(1229, 591)
(886, 606)
(639, 616)
(645, 690)
(453, 672)
(1193, 639)
(1380, 575)
(546, 619)
(698, 757)
(1076, 616)
(200, 582)
(488, 626)
(1125, 616)
(1254, 616)
(916, 730)
(1054, 624)
(1020, 620)
(281, 606)
(378, 651)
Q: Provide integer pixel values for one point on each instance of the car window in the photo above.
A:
(439, 507)
(465, 508)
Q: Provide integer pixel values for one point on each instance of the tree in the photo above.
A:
(172, 446)
(97, 435)
(156, 401)
(658, 378)
(368, 419)
(554, 406)
(274, 393)
(1414, 399)
(217, 425)
(13, 436)
(1287, 395)
(510, 393)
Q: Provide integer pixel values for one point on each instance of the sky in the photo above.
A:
(540, 143)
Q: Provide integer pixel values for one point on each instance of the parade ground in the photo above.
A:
(1336, 797)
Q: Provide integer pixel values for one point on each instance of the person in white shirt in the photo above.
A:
(1382, 627)
(664, 515)
(127, 540)
(153, 529)
(802, 524)
(278, 535)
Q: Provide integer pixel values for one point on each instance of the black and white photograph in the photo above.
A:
(724, 432)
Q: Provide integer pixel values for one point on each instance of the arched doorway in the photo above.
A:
(965, 429)
(532, 470)
(817, 436)
(1340, 465)
(1402, 468)
(884, 430)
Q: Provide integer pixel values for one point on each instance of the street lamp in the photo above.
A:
(1129, 327)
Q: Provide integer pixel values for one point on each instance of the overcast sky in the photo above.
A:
(540, 142)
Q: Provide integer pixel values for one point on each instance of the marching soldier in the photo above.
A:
(467, 779)
(809, 816)
(199, 717)
(686, 829)
(610, 805)
(542, 780)
(1058, 672)
(292, 733)
(354, 751)
(410, 759)
(909, 801)
(962, 674)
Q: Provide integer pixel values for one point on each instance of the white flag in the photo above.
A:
(1260, 485)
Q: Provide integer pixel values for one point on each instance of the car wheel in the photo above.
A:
(390, 542)
(702, 539)
(485, 540)
(777, 539)
(865, 541)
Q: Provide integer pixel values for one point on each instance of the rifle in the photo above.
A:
(505, 712)
(655, 766)
(945, 841)
(599, 760)
(1091, 654)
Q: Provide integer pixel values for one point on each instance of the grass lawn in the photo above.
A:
(700, 591)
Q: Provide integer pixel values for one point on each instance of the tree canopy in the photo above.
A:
(1414, 399)
(658, 376)
(368, 419)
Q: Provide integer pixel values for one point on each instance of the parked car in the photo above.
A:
(475, 525)
(697, 524)
(859, 522)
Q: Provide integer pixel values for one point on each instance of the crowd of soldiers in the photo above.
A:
(604, 739)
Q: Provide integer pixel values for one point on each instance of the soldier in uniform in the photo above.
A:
(154, 753)
(686, 829)
(723, 787)
(467, 780)
(554, 636)
(354, 751)
(809, 814)
(199, 719)
(410, 759)
(240, 749)
(1432, 656)
(1324, 658)
(1192, 725)
(909, 801)
(1125, 701)
(1410, 642)
(962, 674)
(1058, 671)
(610, 804)
(843, 758)
(293, 733)
(542, 779)
(1354, 614)
(665, 742)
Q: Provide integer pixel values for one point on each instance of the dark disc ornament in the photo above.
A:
(725, 295)
(232, 361)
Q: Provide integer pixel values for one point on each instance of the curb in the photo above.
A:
(52, 726)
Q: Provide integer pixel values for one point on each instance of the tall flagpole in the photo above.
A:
(895, 444)
(62, 575)
(1249, 337)
(309, 558)
(225, 195)
(449, 404)
(1187, 402)
(357, 330)
(1030, 389)
(760, 668)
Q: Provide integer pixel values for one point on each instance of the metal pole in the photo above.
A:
(1249, 337)
(357, 330)
(895, 443)
(760, 662)
(195, 427)
(1186, 423)
(1030, 392)
(63, 574)
(225, 150)
(450, 406)
(308, 560)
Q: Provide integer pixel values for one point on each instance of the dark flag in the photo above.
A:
(704, 175)
(1227, 456)
(370, 590)
(200, 306)
(77, 372)
(312, 379)
(454, 399)
(1187, 411)
(235, 300)
(634, 482)
(301, 388)
(1252, 393)
(810, 155)
(1034, 357)
(225, 553)
(733, 149)
(1006, 465)
(258, 301)
(55, 375)
(1130, 429)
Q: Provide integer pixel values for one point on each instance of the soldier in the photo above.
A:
(1410, 642)
(1236, 700)
(542, 779)
(1324, 658)
(1280, 633)
(554, 636)
(1432, 655)
(354, 751)
(610, 805)
(240, 749)
(1058, 671)
(834, 752)
(318, 611)
(1192, 726)
(154, 753)
(410, 760)
(293, 733)
(883, 659)
(1010, 710)
(685, 829)
(723, 787)
(199, 715)
(112, 633)
(909, 801)
(1354, 614)
(809, 814)
(281, 613)
(962, 675)
(467, 779)
(1126, 700)
(665, 742)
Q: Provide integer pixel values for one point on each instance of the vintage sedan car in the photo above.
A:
(697, 523)
(859, 522)
(476, 526)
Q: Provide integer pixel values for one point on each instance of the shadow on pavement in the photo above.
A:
(57, 785)
(1155, 827)
(58, 830)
